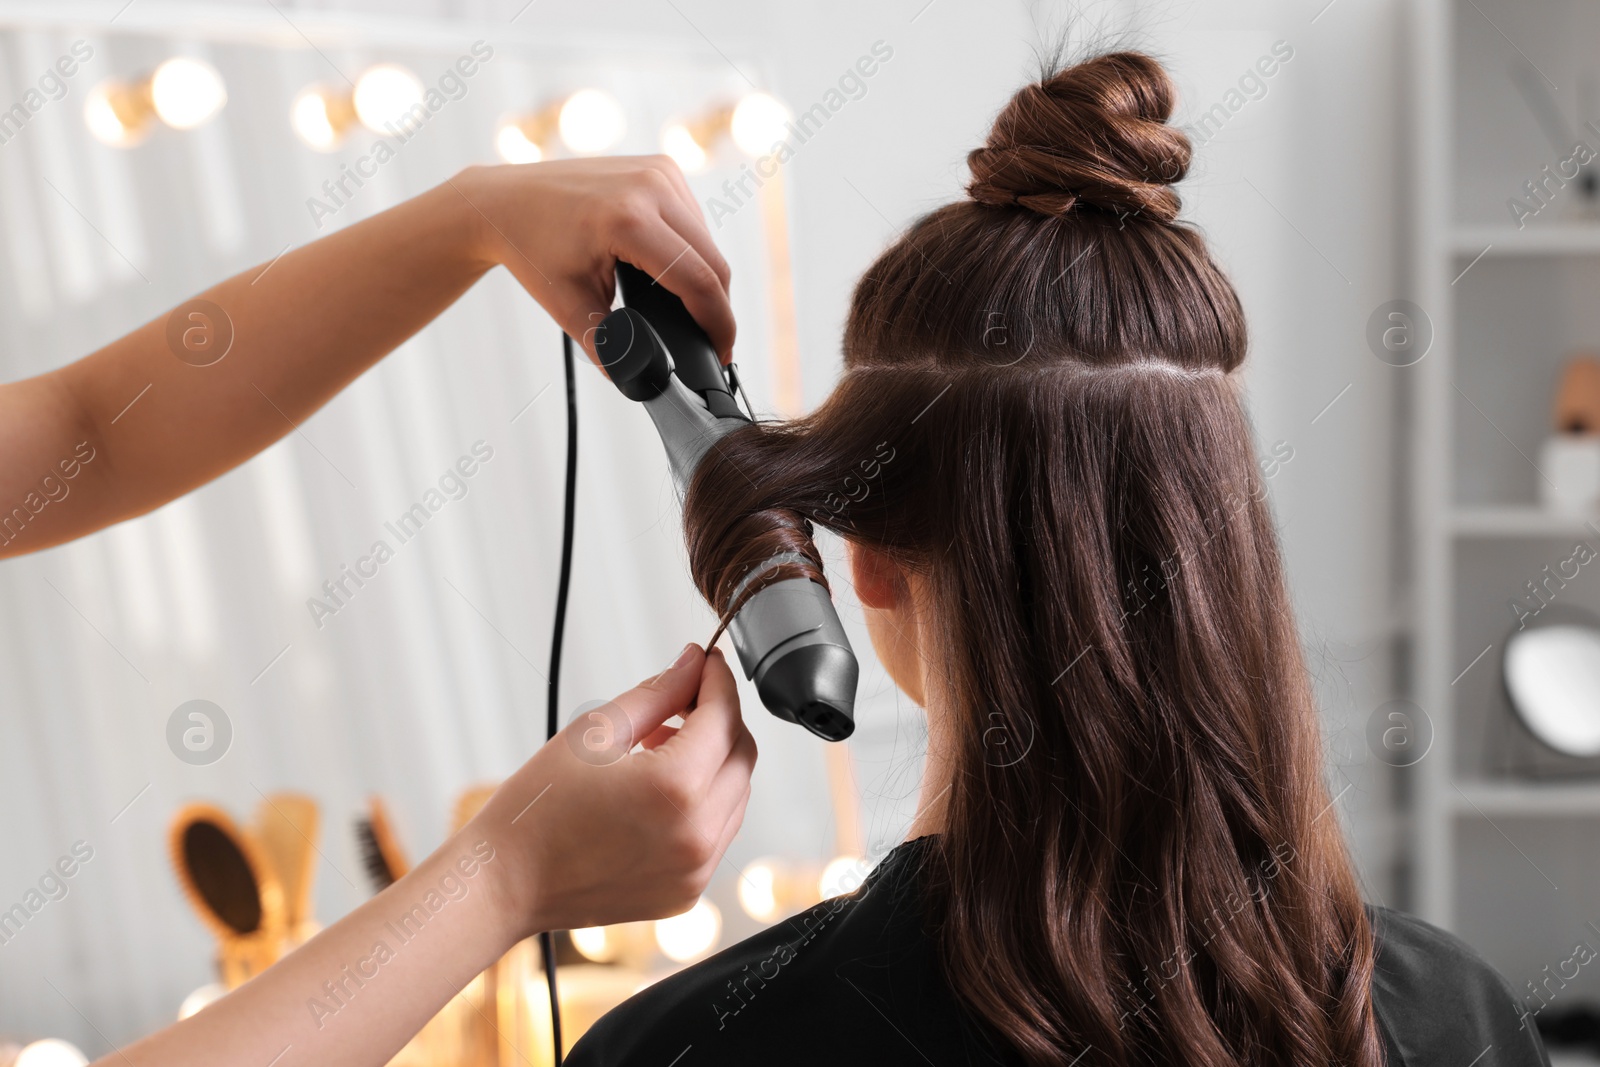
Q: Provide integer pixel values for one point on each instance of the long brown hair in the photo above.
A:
(1039, 417)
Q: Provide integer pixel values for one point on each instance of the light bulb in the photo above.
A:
(514, 146)
(593, 943)
(758, 891)
(758, 123)
(311, 121)
(684, 937)
(680, 144)
(51, 1052)
(200, 999)
(384, 95)
(186, 92)
(110, 117)
(591, 121)
(842, 875)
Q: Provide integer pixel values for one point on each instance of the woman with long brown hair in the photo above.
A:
(1040, 461)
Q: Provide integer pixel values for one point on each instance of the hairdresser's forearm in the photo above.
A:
(133, 425)
(303, 328)
(342, 999)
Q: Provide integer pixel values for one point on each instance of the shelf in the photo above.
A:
(1509, 306)
(1527, 798)
(1523, 521)
(1563, 1057)
(1567, 239)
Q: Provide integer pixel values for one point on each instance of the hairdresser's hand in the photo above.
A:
(560, 226)
(357, 293)
(592, 833)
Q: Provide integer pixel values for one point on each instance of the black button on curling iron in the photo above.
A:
(788, 635)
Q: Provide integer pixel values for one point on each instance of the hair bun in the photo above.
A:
(1093, 135)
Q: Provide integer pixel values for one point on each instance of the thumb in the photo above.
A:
(655, 700)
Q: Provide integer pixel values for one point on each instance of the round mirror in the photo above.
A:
(1552, 672)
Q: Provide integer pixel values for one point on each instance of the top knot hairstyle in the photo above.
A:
(1038, 418)
(1094, 137)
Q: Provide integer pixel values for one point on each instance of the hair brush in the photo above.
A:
(231, 885)
(286, 827)
(381, 854)
(469, 803)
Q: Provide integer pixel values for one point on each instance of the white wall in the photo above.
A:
(417, 698)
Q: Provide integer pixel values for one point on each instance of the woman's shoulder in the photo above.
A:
(856, 979)
(852, 980)
(721, 1002)
(1439, 1002)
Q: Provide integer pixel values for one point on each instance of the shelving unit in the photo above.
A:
(1497, 798)
(1488, 522)
(1573, 239)
(1506, 858)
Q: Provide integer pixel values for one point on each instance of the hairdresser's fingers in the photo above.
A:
(680, 185)
(710, 807)
(714, 816)
(660, 736)
(730, 830)
(710, 732)
(733, 778)
(732, 822)
(643, 237)
(682, 212)
(692, 227)
(655, 700)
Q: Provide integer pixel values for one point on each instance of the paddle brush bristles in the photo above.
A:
(381, 855)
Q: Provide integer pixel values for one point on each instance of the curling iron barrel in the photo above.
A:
(788, 636)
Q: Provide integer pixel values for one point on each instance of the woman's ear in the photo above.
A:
(879, 580)
(884, 589)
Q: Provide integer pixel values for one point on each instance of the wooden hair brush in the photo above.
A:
(469, 803)
(381, 853)
(286, 825)
(230, 883)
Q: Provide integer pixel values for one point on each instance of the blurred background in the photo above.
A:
(1399, 189)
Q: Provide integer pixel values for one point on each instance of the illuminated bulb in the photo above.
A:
(593, 943)
(51, 1052)
(694, 933)
(384, 94)
(111, 118)
(321, 116)
(591, 121)
(842, 875)
(200, 999)
(680, 144)
(312, 120)
(186, 92)
(758, 123)
(182, 92)
(514, 146)
(758, 891)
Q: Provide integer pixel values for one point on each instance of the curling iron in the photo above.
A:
(788, 635)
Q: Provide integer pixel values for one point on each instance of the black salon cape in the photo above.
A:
(855, 980)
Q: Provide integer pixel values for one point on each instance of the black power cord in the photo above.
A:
(547, 941)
